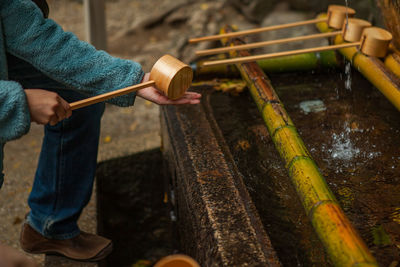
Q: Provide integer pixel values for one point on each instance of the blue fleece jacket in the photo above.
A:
(26, 34)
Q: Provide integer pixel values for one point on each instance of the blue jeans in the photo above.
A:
(64, 177)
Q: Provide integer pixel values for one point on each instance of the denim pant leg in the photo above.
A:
(64, 178)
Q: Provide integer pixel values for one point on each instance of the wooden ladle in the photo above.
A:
(335, 19)
(168, 75)
(372, 41)
(219, 50)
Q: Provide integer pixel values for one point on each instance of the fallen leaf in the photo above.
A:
(204, 6)
(381, 238)
(33, 143)
(17, 220)
(153, 39)
(16, 165)
(107, 139)
(243, 144)
(133, 126)
(142, 263)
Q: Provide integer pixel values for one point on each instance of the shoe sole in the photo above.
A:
(100, 256)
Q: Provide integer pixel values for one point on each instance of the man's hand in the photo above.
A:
(155, 96)
(47, 107)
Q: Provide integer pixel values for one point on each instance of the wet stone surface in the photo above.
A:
(355, 143)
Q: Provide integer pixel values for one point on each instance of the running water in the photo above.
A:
(347, 76)
(347, 13)
(347, 69)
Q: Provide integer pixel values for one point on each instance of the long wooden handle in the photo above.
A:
(102, 97)
(266, 43)
(279, 54)
(254, 31)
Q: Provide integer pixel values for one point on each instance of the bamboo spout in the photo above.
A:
(374, 70)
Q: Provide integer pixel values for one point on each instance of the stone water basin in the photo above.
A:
(352, 132)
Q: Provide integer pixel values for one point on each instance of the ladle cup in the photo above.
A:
(169, 75)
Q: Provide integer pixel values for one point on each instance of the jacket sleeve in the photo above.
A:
(61, 56)
(14, 112)
(14, 116)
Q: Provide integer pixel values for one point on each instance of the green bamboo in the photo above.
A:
(341, 241)
(372, 68)
(303, 62)
(392, 62)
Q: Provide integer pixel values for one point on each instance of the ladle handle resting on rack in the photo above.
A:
(372, 41)
(266, 43)
(278, 54)
(336, 17)
(254, 31)
(103, 97)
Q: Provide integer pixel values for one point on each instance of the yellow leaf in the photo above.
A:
(126, 110)
(142, 263)
(396, 215)
(133, 126)
(204, 6)
(153, 39)
(243, 144)
(33, 143)
(107, 139)
(16, 165)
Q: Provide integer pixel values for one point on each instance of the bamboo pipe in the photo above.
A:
(373, 42)
(302, 62)
(372, 69)
(392, 62)
(341, 241)
(265, 43)
(336, 16)
(169, 75)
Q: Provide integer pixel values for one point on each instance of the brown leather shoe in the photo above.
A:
(84, 247)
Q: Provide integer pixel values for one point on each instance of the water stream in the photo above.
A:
(347, 69)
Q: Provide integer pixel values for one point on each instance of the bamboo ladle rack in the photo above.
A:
(336, 16)
(372, 41)
(285, 40)
(169, 75)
